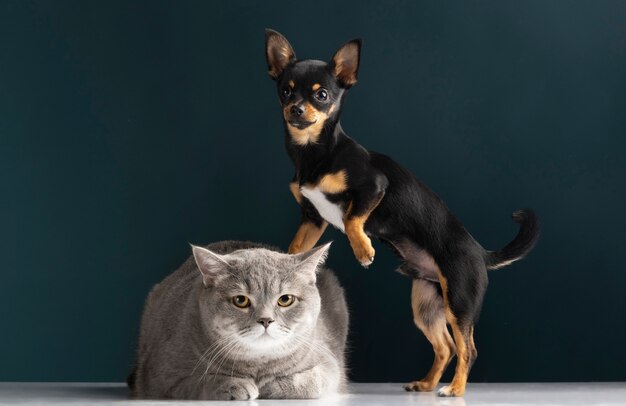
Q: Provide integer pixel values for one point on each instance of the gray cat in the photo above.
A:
(242, 321)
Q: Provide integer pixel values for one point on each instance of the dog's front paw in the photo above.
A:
(237, 391)
(361, 244)
(450, 391)
(365, 254)
(420, 386)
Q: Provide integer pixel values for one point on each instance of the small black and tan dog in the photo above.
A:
(366, 194)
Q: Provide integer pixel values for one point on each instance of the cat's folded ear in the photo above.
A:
(311, 260)
(212, 266)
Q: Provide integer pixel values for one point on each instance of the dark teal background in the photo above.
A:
(130, 129)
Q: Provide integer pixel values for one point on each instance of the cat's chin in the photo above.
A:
(265, 344)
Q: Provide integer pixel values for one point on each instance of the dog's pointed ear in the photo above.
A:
(278, 53)
(345, 63)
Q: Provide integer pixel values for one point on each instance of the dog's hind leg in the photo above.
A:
(429, 317)
(463, 292)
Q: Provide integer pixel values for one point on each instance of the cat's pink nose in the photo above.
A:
(266, 321)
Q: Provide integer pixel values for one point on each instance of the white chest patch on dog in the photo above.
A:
(329, 211)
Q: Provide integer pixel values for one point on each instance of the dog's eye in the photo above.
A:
(286, 92)
(321, 95)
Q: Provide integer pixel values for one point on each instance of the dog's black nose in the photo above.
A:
(297, 110)
(266, 321)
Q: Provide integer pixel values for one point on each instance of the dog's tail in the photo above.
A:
(521, 245)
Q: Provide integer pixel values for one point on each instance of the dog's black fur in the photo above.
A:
(387, 202)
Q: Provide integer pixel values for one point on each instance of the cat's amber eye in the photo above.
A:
(241, 301)
(286, 300)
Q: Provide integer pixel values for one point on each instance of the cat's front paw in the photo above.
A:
(237, 391)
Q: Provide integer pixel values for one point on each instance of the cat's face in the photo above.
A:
(265, 301)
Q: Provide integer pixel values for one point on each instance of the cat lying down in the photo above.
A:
(240, 321)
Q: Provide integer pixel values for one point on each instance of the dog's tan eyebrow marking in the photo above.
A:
(292, 84)
(316, 86)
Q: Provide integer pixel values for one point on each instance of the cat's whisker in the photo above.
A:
(215, 357)
(213, 347)
(247, 334)
(285, 330)
(291, 354)
(224, 357)
(315, 347)
(209, 350)
(210, 347)
(234, 362)
(323, 349)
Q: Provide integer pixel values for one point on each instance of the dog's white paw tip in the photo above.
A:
(446, 391)
(367, 263)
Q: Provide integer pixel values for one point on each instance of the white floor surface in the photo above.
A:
(370, 394)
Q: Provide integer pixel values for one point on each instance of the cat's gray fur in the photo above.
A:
(180, 354)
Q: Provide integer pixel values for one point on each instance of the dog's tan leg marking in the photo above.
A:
(472, 348)
(359, 241)
(462, 338)
(429, 317)
(295, 191)
(334, 182)
(306, 237)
